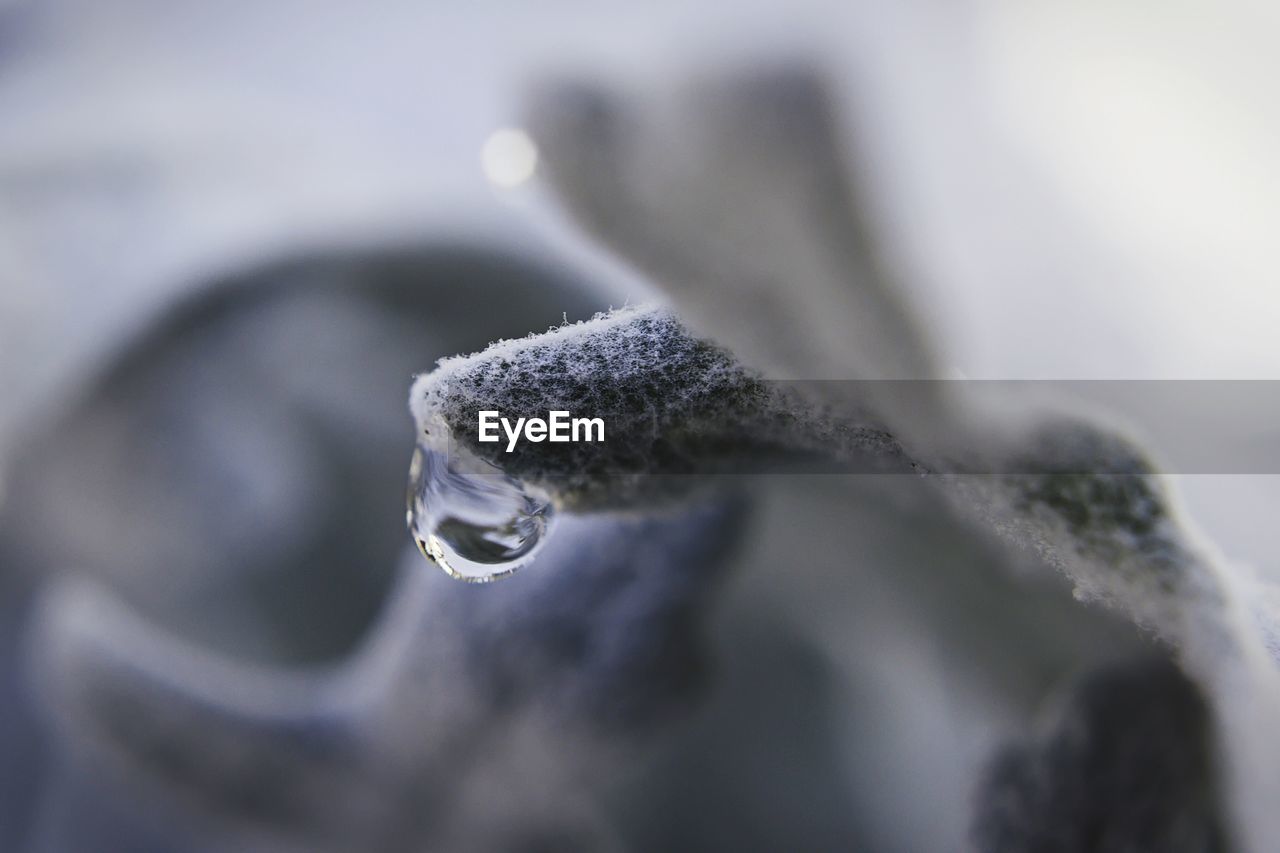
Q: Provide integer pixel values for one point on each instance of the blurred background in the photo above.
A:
(231, 233)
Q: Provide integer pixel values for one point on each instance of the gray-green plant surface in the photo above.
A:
(676, 183)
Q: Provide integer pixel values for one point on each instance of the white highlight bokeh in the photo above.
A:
(508, 157)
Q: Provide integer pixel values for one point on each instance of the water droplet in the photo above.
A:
(469, 518)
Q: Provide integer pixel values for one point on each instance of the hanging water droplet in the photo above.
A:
(469, 518)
